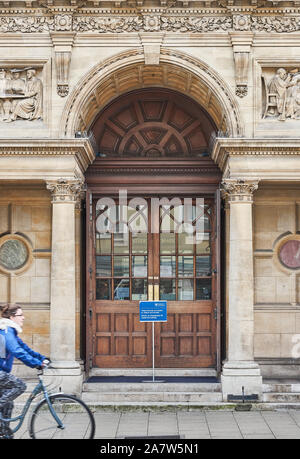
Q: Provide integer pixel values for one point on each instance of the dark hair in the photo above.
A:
(9, 309)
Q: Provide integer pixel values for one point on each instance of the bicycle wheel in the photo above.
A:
(78, 420)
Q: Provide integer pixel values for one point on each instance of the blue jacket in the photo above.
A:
(14, 347)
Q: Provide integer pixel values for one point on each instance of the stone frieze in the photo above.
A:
(116, 22)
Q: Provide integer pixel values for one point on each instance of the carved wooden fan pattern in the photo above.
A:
(150, 126)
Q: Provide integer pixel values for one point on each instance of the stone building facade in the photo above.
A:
(69, 70)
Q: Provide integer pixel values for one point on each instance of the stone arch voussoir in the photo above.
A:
(127, 71)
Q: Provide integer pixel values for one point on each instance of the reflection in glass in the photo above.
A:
(167, 243)
(167, 289)
(121, 289)
(168, 266)
(203, 289)
(103, 243)
(139, 266)
(186, 266)
(121, 266)
(185, 243)
(139, 289)
(138, 216)
(203, 243)
(185, 289)
(121, 243)
(139, 243)
(103, 266)
(206, 223)
(167, 219)
(103, 289)
(203, 266)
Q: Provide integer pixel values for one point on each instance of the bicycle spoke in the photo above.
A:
(78, 422)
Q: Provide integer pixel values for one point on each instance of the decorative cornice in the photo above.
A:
(152, 171)
(80, 148)
(224, 148)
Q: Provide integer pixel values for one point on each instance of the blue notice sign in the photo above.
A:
(153, 311)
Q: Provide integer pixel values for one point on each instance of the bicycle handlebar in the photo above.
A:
(44, 366)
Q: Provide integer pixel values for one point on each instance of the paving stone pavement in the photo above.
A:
(195, 425)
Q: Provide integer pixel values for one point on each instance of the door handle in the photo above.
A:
(156, 288)
(150, 292)
(156, 292)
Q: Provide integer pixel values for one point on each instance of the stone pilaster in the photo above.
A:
(63, 283)
(240, 370)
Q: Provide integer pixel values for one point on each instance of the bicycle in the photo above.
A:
(55, 416)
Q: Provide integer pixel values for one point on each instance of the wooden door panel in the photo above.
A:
(121, 339)
(188, 338)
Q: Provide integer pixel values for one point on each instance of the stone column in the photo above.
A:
(240, 370)
(63, 283)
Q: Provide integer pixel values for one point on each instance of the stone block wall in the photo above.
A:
(276, 287)
(26, 212)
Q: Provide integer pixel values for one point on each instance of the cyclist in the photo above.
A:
(11, 322)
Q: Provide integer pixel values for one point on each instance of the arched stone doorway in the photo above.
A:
(127, 72)
(152, 144)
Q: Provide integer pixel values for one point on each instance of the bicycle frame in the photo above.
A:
(40, 387)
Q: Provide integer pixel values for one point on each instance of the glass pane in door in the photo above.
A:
(185, 266)
(168, 266)
(121, 289)
(139, 243)
(121, 266)
(103, 289)
(167, 243)
(139, 289)
(103, 266)
(167, 289)
(139, 266)
(203, 289)
(185, 289)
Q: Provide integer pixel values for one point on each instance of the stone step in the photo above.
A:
(281, 397)
(280, 387)
(150, 397)
(192, 372)
(151, 387)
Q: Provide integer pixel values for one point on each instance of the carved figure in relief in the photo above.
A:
(30, 107)
(293, 100)
(20, 98)
(278, 86)
(17, 84)
(283, 95)
(5, 103)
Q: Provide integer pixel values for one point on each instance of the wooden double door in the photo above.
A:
(151, 249)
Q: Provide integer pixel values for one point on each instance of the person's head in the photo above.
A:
(13, 312)
(30, 74)
(16, 75)
(282, 73)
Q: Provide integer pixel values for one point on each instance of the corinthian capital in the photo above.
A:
(237, 190)
(64, 190)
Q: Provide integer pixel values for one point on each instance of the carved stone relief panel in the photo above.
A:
(113, 20)
(21, 93)
(281, 93)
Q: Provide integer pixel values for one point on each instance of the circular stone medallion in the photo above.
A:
(13, 254)
(289, 254)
